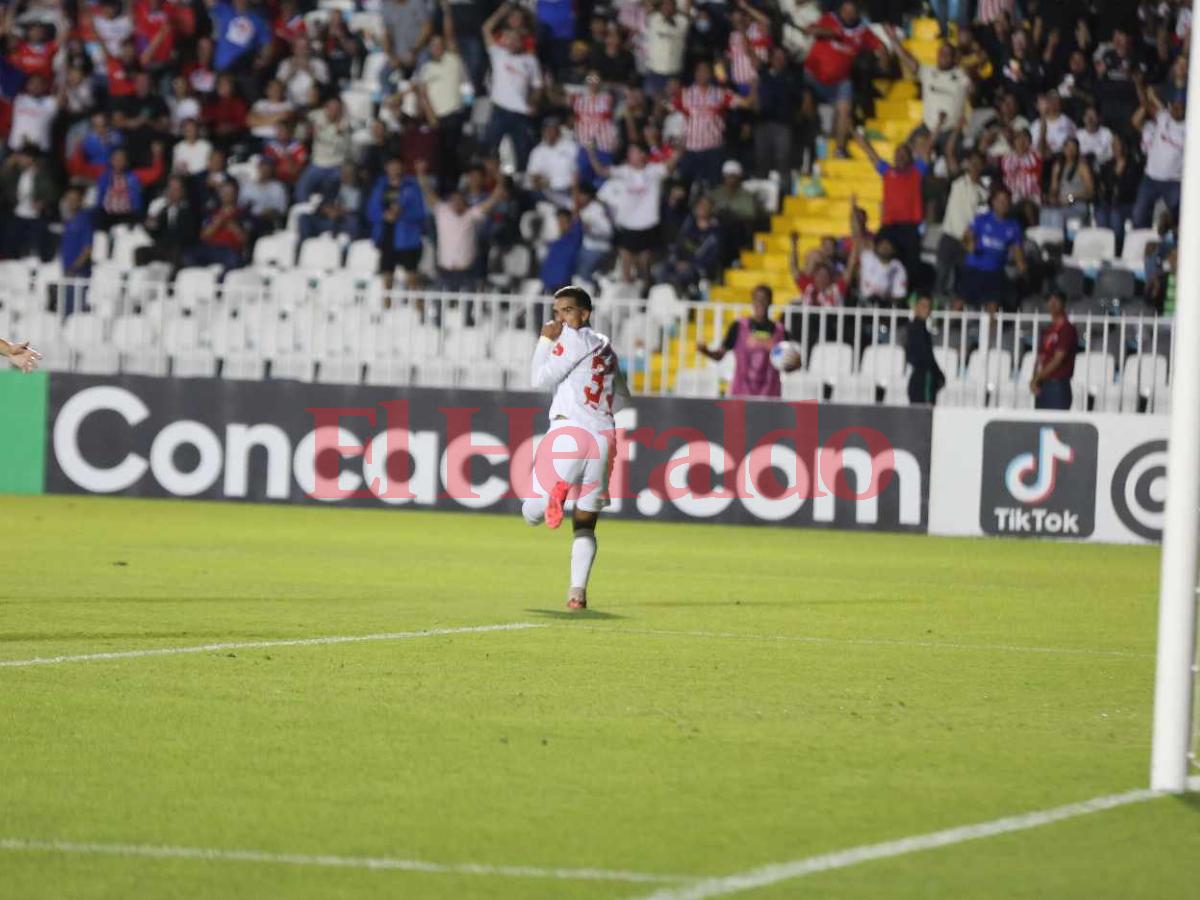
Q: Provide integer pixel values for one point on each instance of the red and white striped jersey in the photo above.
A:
(747, 51)
(705, 109)
(594, 120)
(1023, 175)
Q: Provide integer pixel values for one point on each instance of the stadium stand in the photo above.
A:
(389, 216)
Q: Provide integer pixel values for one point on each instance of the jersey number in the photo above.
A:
(603, 364)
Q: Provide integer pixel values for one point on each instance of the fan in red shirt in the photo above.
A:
(225, 114)
(903, 206)
(183, 17)
(289, 24)
(35, 54)
(840, 38)
(223, 237)
(288, 155)
(122, 70)
(155, 33)
(1051, 382)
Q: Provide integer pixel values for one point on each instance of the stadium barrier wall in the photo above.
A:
(23, 430)
(857, 467)
(1082, 476)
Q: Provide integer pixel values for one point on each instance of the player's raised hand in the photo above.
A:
(552, 330)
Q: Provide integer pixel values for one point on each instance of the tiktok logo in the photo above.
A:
(1031, 479)
(1038, 479)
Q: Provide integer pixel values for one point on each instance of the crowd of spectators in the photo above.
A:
(636, 121)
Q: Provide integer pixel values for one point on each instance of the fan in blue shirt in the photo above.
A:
(240, 34)
(992, 237)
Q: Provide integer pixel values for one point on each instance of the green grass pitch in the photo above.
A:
(737, 697)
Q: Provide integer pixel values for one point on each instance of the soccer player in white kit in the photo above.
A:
(580, 366)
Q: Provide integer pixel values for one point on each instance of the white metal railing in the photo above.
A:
(125, 318)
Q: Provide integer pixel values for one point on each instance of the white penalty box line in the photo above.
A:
(776, 873)
(369, 863)
(674, 887)
(260, 645)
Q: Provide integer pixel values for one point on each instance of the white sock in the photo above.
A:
(583, 554)
(534, 510)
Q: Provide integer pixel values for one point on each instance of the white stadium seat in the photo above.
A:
(482, 374)
(1133, 251)
(144, 362)
(1093, 248)
(194, 363)
(322, 253)
(278, 249)
(393, 372)
(245, 365)
(830, 367)
(335, 370)
(1143, 381)
(292, 366)
(699, 382)
(436, 373)
(880, 371)
(363, 258)
(1093, 384)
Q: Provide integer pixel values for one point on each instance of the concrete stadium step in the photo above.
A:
(769, 262)
(751, 278)
(810, 227)
(902, 110)
(894, 130)
(781, 242)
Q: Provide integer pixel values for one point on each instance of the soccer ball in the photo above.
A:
(786, 355)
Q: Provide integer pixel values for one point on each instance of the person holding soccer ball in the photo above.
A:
(580, 366)
(750, 339)
(20, 356)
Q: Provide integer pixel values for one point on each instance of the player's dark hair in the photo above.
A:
(576, 293)
(1058, 295)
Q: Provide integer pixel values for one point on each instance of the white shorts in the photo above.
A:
(584, 462)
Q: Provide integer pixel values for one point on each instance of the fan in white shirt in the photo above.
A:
(553, 164)
(1058, 126)
(633, 192)
(301, 72)
(32, 116)
(191, 155)
(1095, 139)
(881, 277)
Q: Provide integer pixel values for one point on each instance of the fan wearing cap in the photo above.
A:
(737, 207)
(1164, 156)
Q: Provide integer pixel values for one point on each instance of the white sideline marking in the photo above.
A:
(841, 859)
(328, 861)
(255, 645)
(872, 642)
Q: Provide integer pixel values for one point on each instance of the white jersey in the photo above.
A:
(581, 368)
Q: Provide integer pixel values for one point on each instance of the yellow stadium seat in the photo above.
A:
(729, 294)
(846, 168)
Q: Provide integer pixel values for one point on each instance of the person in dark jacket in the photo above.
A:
(173, 226)
(927, 377)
